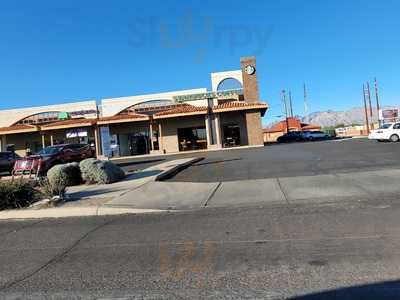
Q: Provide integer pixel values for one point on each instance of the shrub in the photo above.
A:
(17, 193)
(68, 174)
(59, 178)
(100, 172)
(50, 189)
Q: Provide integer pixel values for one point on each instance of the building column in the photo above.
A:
(213, 131)
(208, 131)
(51, 139)
(254, 128)
(217, 124)
(3, 143)
(160, 138)
(97, 144)
(43, 141)
(151, 136)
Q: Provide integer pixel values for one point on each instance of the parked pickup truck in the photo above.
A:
(51, 156)
(7, 161)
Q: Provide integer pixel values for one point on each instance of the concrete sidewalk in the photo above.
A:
(89, 200)
(141, 194)
(289, 190)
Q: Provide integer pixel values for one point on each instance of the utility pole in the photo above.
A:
(378, 108)
(291, 104)
(369, 101)
(285, 109)
(366, 110)
(305, 104)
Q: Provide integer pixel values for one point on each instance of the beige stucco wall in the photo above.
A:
(272, 136)
(218, 77)
(169, 130)
(113, 106)
(11, 116)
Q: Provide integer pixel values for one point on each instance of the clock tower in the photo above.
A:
(251, 95)
(249, 74)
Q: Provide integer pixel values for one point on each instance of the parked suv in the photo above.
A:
(292, 136)
(53, 155)
(315, 135)
(7, 161)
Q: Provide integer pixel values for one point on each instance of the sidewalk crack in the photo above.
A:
(282, 190)
(212, 194)
(55, 259)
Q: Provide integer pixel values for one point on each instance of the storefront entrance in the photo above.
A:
(231, 135)
(193, 138)
(133, 144)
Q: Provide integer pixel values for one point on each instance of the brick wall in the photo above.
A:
(250, 85)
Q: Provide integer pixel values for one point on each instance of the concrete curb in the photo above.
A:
(65, 212)
(174, 170)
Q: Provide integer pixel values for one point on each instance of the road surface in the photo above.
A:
(343, 249)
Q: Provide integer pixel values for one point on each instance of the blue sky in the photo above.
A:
(59, 51)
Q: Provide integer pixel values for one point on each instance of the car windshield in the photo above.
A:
(385, 126)
(50, 150)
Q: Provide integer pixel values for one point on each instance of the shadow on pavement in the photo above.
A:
(141, 174)
(215, 162)
(75, 196)
(383, 291)
(124, 164)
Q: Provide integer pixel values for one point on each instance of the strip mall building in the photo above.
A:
(227, 116)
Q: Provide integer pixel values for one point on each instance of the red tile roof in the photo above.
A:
(184, 109)
(69, 123)
(122, 118)
(294, 124)
(19, 127)
(239, 104)
(310, 127)
(187, 109)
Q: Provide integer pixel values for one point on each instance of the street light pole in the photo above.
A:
(286, 109)
(366, 110)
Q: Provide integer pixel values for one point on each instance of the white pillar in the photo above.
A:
(97, 143)
(43, 141)
(160, 138)
(2, 143)
(217, 125)
(208, 131)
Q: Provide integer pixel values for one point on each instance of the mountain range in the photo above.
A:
(355, 115)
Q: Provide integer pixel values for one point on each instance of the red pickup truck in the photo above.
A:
(51, 156)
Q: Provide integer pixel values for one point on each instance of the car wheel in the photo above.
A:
(394, 138)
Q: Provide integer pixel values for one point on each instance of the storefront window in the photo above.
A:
(193, 138)
(231, 135)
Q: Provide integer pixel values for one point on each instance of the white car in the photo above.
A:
(387, 132)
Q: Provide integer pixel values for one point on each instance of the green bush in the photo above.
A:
(17, 193)
(100, 172)
(59, 178)
(68, 174)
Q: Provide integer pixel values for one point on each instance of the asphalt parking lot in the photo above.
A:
(281, 160)
(297, 159)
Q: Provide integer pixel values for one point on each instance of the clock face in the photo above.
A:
(250, 70)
